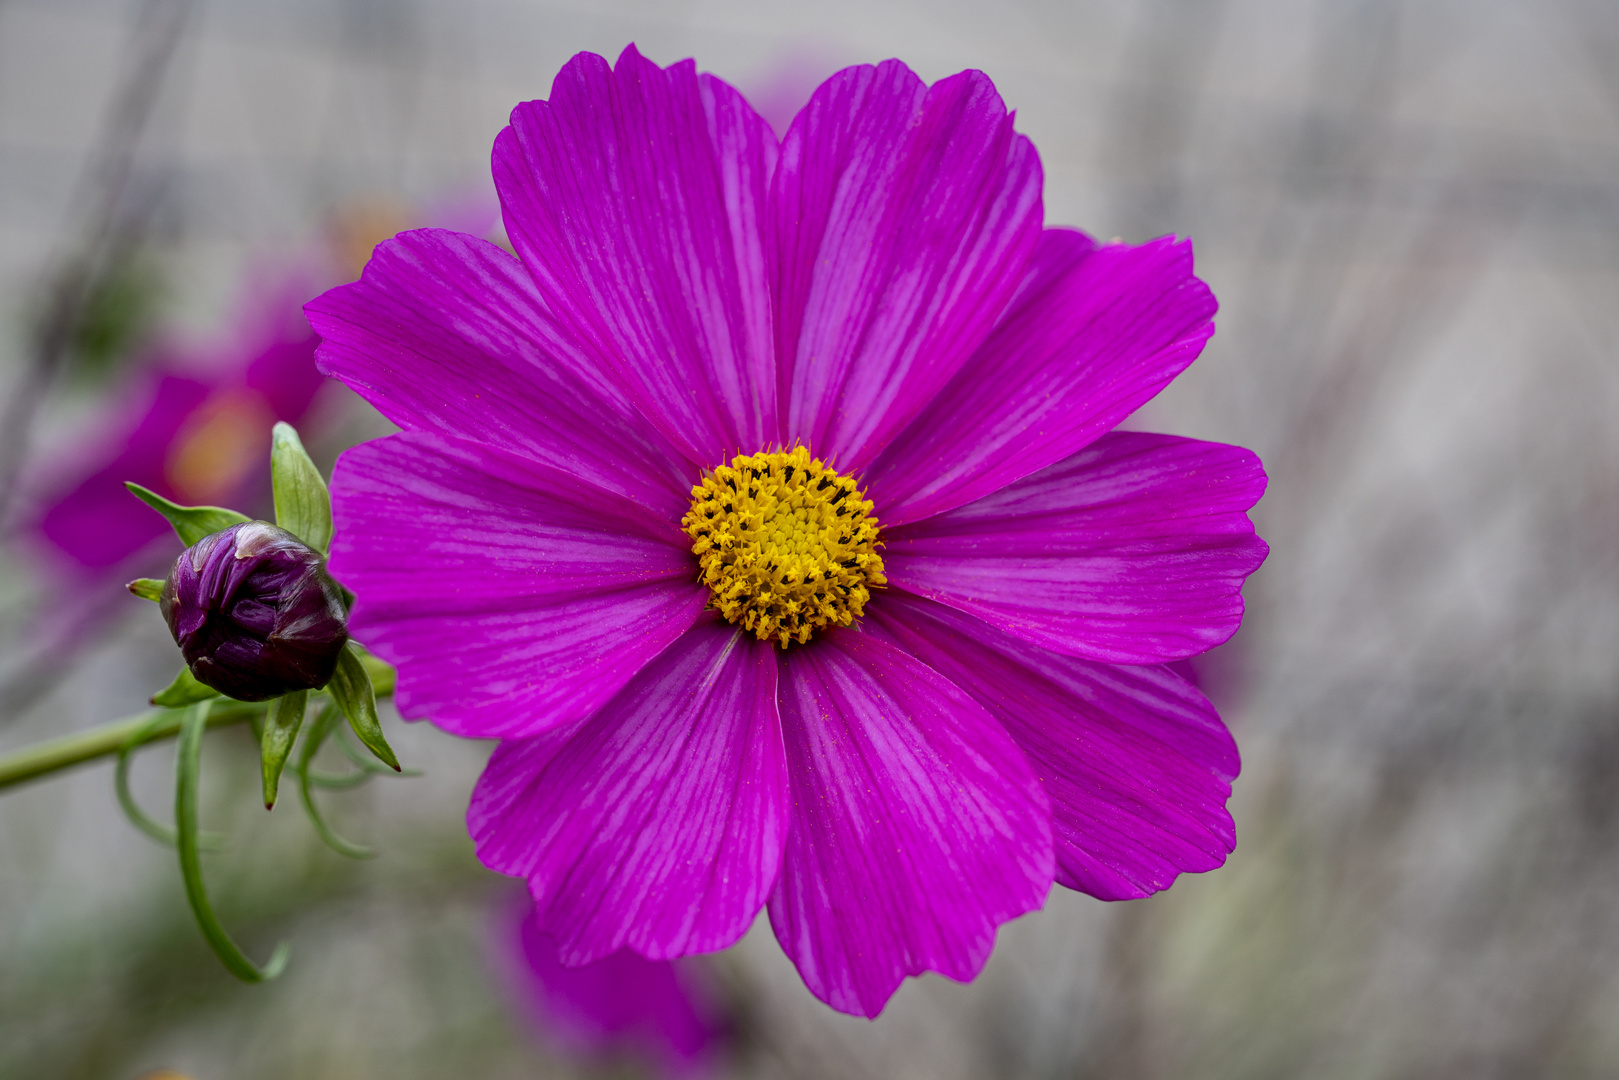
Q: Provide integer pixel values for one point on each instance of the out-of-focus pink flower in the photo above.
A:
(192, 425)
(663, 1013)
(193, 422)
(778, 92)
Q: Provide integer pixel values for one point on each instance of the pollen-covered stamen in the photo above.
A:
(785, 544)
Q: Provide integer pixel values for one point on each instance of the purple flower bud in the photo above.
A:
(254, 612)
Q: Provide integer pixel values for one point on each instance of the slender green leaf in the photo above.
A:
(147, 588)
(281, 726)
(191, 523)
(188, 774)
(184, 690)
(126, 798)
(318, 731)
(303, 506)
(351, 689)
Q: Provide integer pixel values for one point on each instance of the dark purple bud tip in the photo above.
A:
(254, 612)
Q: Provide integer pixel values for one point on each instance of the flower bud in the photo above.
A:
(254, 612)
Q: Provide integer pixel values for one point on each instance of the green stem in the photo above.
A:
(54, 755)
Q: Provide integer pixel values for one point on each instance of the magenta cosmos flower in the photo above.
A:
(766, 506)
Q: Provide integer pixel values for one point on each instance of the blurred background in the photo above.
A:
(1410, 213)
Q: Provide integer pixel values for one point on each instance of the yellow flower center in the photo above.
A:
(786, 545)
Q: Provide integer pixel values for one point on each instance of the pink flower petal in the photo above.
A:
(635, 197)
(1132, 551)
(917, 829)
(1135, 759)
(905, 216)
(513, 597)
(659, 825)
(446, 333)
(1093, 334)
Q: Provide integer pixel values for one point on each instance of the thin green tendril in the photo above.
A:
(338, 781)
(328, 718)
(188, 773)
(207, 841)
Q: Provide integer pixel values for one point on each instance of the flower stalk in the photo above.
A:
(107, 740)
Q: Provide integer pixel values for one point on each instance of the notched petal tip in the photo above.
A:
(869, 728)
(658, 824)
(1137, 762)
(905, 215)
(1132, 551)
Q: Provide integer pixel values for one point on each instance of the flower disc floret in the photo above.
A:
(786, 545)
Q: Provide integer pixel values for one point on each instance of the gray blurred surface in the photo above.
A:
(1410, 213)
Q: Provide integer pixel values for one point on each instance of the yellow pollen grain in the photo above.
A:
(785, 544)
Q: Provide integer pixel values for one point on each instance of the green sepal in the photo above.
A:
(188, 770)
(366, 767)
(281, 726)
(365, 764)
(352, 690)
(191, 523)
(303, 506)
(184, 690)
(147, 588)
(383, 675)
